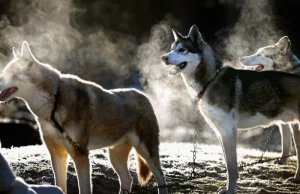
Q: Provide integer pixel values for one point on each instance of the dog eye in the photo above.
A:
(181, 50)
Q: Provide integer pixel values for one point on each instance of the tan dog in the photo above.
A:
(10, 184)
(87, 114)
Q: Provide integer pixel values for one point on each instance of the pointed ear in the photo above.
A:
(16, 53)
(176, 34)
(195, 35)
(26, 52)
(283, 45)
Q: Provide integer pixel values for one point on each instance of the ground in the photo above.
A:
(33, 164)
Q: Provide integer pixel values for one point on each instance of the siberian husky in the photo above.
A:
(10, 184)
(276, 57)
(229, 98)
(76, 116)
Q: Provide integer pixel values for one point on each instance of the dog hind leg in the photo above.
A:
(146, 143)
(285, 142)
(118, 156)
(153, 162)
(296, 136)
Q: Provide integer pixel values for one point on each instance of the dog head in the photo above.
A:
(272, 57)
(20, 76)
(186, 52)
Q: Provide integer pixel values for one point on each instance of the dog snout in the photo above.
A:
(244, 60)
(164, 58)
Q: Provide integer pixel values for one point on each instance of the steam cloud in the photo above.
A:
(255, 28)
(107, 57)
(114, 59)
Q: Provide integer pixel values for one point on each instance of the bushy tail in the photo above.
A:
(143, 170)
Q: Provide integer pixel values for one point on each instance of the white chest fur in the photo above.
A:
(192, 86)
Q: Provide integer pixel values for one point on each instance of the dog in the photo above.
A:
(231, 99)
(75, 116)
(10, 184)
(276, 57)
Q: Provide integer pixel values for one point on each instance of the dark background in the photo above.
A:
(232, 27)
(136, 18)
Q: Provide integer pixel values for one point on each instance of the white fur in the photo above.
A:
(175, 58)
(214, 116)
(247, 121)
(255, 59)
(192, 86)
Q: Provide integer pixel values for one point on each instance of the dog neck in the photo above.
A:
(205, 73)
(292, 64)
(205, 86)
(40, 102)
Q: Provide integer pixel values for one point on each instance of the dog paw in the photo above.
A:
(280, 161)
(222, 190)
(292, 180)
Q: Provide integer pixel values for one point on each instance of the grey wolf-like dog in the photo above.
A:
(231, 99)
(90, 115)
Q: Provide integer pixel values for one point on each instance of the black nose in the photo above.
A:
(164, 58)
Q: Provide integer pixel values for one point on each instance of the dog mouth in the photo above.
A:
(177, 68)
(259, 67)
(182, 65)
(7, 92)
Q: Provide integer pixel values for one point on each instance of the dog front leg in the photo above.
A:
(82, 164)
(224, 125)
(58, 153)
(227, 139)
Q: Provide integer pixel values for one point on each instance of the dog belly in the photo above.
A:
(98, 142)
(247, 121)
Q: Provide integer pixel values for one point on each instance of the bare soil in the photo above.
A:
(32, 163)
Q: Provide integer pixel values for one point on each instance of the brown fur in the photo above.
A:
(91, 116)
(143, 171)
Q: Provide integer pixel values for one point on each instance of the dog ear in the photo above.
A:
(283, 45)
(26, 51)
(16, 53)
(176, 34)
(195, 35)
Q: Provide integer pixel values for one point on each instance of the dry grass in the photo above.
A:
(32, 163)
